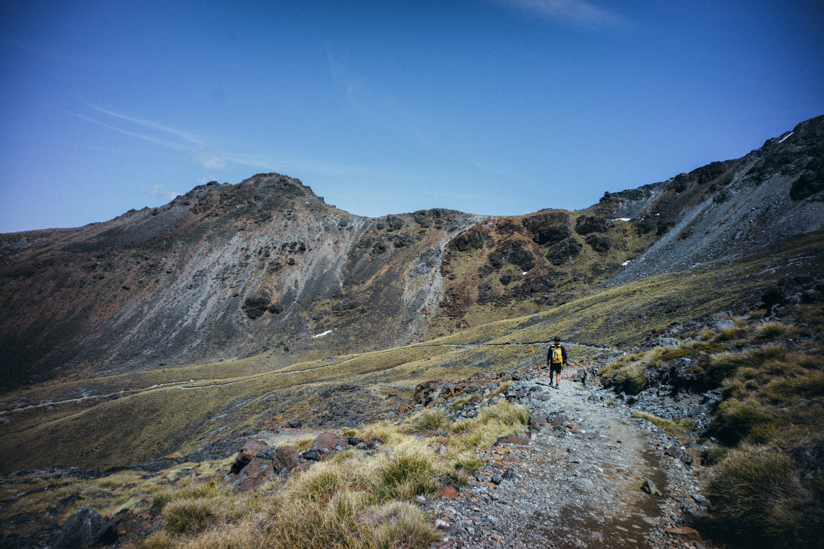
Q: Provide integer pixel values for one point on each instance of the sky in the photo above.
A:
(498, 107)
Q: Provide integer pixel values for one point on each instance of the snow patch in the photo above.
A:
(623, 219)
(785, 137)
(625, 263)
(327, 332)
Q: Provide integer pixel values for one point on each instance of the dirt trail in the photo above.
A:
(578, 486)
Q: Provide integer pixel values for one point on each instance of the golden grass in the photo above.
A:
(676, 428)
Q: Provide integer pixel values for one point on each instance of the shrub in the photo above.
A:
(771, 330)
(313, 525)
(467, 461)
(245, 535)
(506, 413)
(713, 455)
(759, 493)
(630, 379)
(157, 540)
(188, 516)
(430, 420)
(321, 482)
(735, 419)
(303, 443)
(408, 471)
(161, 499)
(673, 427)
(402, 524)
(730, 334)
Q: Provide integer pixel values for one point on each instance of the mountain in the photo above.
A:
(230, 271)
(257, 317)
(248, 305)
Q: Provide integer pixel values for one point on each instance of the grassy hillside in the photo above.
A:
(116, 420)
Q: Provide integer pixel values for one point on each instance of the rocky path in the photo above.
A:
(576, 483)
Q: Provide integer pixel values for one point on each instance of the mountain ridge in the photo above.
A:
(227, 271)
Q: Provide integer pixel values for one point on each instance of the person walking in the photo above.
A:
(555, 359)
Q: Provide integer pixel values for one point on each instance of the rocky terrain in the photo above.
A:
(245, 335)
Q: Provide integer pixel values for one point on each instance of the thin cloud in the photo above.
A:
(211, 161)
(149, 124)
(573, 12)
(206, 158)
(144, 137)
(206, 155)
(161, 191)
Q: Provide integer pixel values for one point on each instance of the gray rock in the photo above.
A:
(669, 342)
(700, 500)
(85, 529)
(650, 487)
(678, 453)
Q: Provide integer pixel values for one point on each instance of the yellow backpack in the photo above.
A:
(557, 355)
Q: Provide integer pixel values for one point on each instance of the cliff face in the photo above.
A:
(228, 271)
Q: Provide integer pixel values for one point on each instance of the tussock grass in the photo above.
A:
(409, 470)
(430, 420)
(674, 427)
(188, 516)
(627, 377)
(761, 494)
(766, 487)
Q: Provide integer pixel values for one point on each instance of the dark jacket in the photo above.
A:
(549, 354)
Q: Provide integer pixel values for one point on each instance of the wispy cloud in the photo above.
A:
(174, 138)
(161, 191)
(149, 124)
(212, 158)
(573, 12)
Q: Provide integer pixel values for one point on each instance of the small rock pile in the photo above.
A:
(793, 290)
(257, 462)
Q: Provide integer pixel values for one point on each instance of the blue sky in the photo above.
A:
(491, 106)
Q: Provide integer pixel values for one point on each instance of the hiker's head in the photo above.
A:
(557, 340)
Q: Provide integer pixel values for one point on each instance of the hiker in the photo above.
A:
(555, 359)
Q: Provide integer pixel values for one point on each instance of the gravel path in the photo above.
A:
(577, 483)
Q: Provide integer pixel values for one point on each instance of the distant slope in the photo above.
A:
(265, 266)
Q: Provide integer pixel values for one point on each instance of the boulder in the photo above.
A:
(512, 439)
(600, 244)
(285, 457)
(549, 227)
(256, 472)
(680, 454)
(330, 442)
(311, 455)
(86, 528)
(684, 532)
(449, 492)
(564, 251)
(586, 224)
(256, 305)
(249, 450)
(650, 487)
(126, 523)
